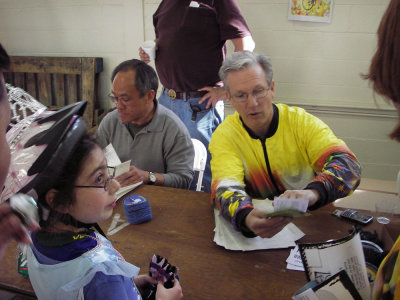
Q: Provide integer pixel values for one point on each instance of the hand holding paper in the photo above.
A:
(287, 213)
(121, 172)
(288, 207)
(264, 227)
(311, 195)
(227, 237)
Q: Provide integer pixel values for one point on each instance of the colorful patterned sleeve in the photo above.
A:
(230, 200)
(340, 176)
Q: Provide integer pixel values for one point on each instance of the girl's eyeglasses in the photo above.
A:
(106, 185)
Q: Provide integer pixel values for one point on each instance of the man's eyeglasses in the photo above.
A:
(124, 100)
(106, 186)
(257, 94)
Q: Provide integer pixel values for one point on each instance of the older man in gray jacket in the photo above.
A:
(150, 135)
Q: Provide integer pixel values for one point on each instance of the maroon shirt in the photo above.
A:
(191, 41)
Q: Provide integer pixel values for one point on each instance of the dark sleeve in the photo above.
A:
(240, 217)
(231, 21)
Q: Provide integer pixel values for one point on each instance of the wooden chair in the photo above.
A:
(58, 81)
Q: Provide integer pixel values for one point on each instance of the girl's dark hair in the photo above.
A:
(384, 71)
(65, 184)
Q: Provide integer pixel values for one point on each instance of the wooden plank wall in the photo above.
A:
(58, 81)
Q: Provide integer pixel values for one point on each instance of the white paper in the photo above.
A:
(299, 204)
(194, 4)
(294, 261)
(120, 168)
(111, 156)
(230, 239)
(294, 267)
(306, 295)
(126, 189)
(325, 259)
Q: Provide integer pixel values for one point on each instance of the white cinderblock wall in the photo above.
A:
(316, 65)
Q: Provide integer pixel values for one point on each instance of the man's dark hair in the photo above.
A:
(146, 78)
(4, 65)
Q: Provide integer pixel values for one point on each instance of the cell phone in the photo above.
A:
(354, 215)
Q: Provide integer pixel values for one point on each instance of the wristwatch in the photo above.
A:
(152, 178)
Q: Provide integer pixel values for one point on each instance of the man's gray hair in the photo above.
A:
(241, 60)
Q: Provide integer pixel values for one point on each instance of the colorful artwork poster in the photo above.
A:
(311, 10)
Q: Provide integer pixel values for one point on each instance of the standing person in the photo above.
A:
(266, 150)
(190, 43)
(151, 136)
(10, 225)
(68, 260)
(384, 75)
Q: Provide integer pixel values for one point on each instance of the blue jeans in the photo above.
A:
(200, 122)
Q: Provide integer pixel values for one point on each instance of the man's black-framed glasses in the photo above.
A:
(106, 186)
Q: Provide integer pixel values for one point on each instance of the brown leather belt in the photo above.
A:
(180, 95)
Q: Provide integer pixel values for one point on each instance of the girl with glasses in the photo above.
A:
(68, 260)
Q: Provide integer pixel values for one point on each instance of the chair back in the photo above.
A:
(200, 159)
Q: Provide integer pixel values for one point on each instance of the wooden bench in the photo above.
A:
(58, 81)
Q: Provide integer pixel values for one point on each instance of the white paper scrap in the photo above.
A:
(194, 4)
(294, 261)
(111, 156)
(281, 203)
(122, 168)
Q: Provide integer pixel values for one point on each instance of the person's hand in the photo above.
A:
(311, 195)
(144, 56)
(12, 228)
(214, 95)
(141, 280)
(174, 293)
(265, 227)
(134, 175)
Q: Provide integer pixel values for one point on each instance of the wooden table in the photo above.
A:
(181, 230)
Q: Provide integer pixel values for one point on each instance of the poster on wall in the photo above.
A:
(311, 10)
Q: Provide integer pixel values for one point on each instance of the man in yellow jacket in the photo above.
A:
(266, 150)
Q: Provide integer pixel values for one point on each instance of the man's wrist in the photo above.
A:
(241, 222)
(152, 179)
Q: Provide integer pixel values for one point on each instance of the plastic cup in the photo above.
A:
(384, 211)
(150, 48)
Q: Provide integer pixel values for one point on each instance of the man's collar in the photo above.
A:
(271, 129)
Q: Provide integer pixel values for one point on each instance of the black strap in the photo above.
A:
(98, 228)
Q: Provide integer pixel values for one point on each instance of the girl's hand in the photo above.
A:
(141, 280)
(174, 293)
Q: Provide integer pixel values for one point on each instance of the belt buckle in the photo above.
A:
(172, 94)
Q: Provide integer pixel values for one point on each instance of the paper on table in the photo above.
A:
(230, 239)
(294, 261)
